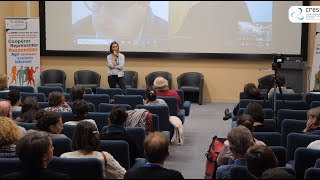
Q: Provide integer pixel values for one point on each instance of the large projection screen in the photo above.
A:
(231, 29)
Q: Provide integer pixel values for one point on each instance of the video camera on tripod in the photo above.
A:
(277, 60)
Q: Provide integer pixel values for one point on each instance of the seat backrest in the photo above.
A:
(312, 173)
(131, 79)
(68, 130)
(190, 79)
(312, 97)
(304, 159)
(296, 140)
(101, 119)
(40, 96)
(135, 91)
(155, 122)
(314, 104)
(268, 113)
(281, 154)
(244, 96)
(269, 138)
(10, 165)
(138, 135)
(104, 107)
(3, 95)
(26, 125)
(46, 90)
(291, 125)
(43, 105)
(96, 99)
(78, 168)
(290, 114)
(53, 76)
(294, 104)
(239, 172)
(61, 145)
(91, 106)
(244, 102)
(132, 100)
(153, 75)
(290, 97)
(172, 104)
(119, 149)
(109, 91)
(87, 77)
(28, 89)
(15, 114)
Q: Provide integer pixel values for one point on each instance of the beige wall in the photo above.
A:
(224, 79)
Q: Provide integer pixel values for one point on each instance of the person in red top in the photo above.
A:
(162, 87)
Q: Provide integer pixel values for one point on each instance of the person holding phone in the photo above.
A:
(116, 62)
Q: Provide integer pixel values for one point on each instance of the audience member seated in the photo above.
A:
(282, 83)
(276, 173)
(6, 111)
(57, 103)
(162, 87)
(156, 149)
(151, 98)
(313, 123)
(240, 139)
(9, 136)
(15, 99)
(4, 83)
(116, 131)
(49, 122)
(256, 112)
(35, 151)
(77, 92)
(29, 109)
(80, 109)
(226, 154)
(86, 143)
(258, 159)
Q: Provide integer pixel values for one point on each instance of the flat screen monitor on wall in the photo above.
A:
(216, 29)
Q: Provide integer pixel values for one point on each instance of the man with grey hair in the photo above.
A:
(162, 87)
(313, 123)
(240, 139)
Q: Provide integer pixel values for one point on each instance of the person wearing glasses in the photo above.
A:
(129, 22)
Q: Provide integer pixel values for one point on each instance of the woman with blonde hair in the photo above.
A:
(9, 136)
(4, 83)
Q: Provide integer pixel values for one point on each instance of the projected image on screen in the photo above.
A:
(226, 27)
(133, 23)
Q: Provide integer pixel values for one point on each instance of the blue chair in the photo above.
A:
(296, 140)
(172, 104)
(40, 96)
(244, 102)
(53, 78)
(291, 125)
(268, 113)
(292, 104)
(119, 149)
(135, 91)
(186, 105)
(61, 145)
(155, 122)
(239, 172)
(312, 97)
(96, 99)
(281, 154)
(101, 119)
(15, 114)
(43, 105)
(46, 90)
(26, 125)
(312, 173)
(91, 106)
(269, 138)
(67, 97)
(243, 95)
(10, 165)
(3, 95)
(109, 91)
(304, 158)
(290, 114)
(132, 100)
(67, 116)
(68, 130)
(28, 89)
(288, 97)
(104, 107)
(78, 168)
(314, 104)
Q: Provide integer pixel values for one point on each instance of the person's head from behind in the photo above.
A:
(251, 90)
(14, 97)
(281, 80)
(3, 81)
(118, 115)
(35, 150)
(255, 111)
(156, 147)
(240, 139)
(118, 19)
(85, 137)
(276, 173)
(314, 118)
(77, 92)
(49, 121)
(80, 109)
(29, 109)
(245, 120)
(10, 132)
(5, 109)
(260, 158)
(161, 83)
(56, 99)
(151, 94)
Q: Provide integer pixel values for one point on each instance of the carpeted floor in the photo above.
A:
(200, 126)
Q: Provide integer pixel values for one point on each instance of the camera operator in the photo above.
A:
(283, 85)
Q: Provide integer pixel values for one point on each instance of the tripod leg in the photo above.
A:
(265, 97)
(280, 91)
